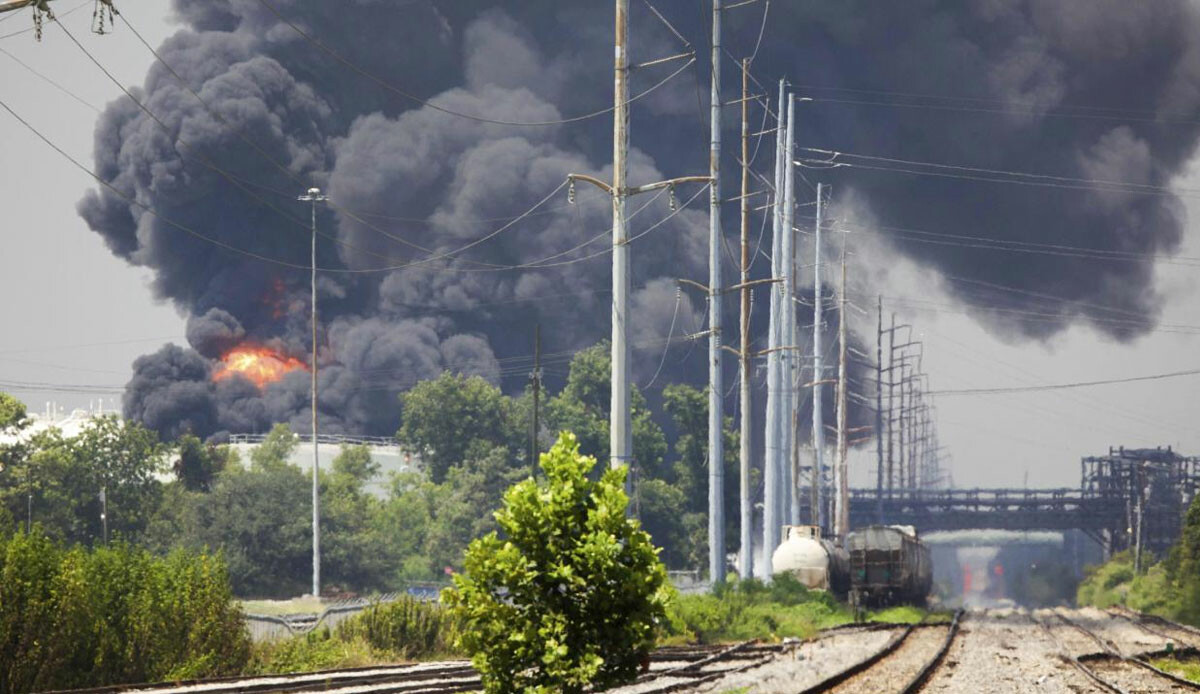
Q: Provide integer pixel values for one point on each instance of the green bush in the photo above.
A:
(575, 594)
(751, 609)
(408, 628)
(322, 649)
(74, 618)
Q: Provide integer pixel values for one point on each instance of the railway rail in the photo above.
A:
(911, 657)
(1110, 669)
(675, 668)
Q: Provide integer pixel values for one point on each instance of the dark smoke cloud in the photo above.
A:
(432, 182)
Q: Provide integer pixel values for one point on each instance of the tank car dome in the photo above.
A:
(804, 557)
(800, 554)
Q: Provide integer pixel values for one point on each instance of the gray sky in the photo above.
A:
(65, 293)
(74, 314)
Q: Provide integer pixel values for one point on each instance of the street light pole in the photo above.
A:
(313, 195)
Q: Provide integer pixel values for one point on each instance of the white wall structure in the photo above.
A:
(385, 452)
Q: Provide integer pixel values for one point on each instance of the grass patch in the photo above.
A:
(1187, 669)
(404, 630)
(750, 609)
(903, 614)
(279, 608)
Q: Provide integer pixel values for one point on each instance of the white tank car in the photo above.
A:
(815, 562)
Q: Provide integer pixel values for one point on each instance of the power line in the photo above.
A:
(1024, 104)
(59, 16)
(423, 102)
(834, 155)
(49, 81)
(132, 201)
(1010, 112)
(1064, 386)
(1015, 246)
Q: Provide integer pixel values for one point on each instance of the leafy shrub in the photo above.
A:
(72, 618)
(408, 628)
(576, 593)
(751, 609)
(322, 649)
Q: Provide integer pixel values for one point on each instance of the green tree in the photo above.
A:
(260, 520)
(583, 409)
(198, 463)
(355, 550)
(12, 413)
(688, 409)
(463, 508)
(449, 417)
(275, 452)
(122, 457)
(1183, 566)
(573, 596)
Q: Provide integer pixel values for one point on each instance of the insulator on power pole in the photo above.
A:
(104, 12)
(571, 192)
(672, 202)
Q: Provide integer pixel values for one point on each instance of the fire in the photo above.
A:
(261, 365)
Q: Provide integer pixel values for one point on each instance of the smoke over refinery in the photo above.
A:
(1034, 83)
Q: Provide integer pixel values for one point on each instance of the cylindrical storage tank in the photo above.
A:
(804, 556)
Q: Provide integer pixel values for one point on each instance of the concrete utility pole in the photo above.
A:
(771, 440)
(879, 415)
(746, 509)
(620, 428)
(314, 196)
(791, 358)
(818, 425)
(620, 435)
(842, 520)
(716, 390)
(535, 377)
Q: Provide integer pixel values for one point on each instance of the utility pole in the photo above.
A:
(620, 435)
(716, 389)
(818, 426)
(313, 196)
(104, 512)
(746, 509)
(842, 522)
(771, 440)
(536, 378)
(620, 432)
(891, 399)
(879, 415)
(791, 359)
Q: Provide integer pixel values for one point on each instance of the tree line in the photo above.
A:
(471, 439)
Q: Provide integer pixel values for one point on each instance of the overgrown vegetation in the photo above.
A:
(406, 629)
(1188, 669)
(76, 617)
(1169, 588)
(573, 596)
(750, 609)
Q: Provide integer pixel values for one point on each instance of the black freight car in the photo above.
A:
(889, 565)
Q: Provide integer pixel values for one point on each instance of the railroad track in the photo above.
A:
(675, 667)
(1108, 668)
(1188, 637)
(910, 658)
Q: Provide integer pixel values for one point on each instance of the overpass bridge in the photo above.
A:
(1126, 498)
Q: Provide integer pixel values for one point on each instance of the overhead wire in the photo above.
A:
(50, 81)
(1104, 185)
(1064, 386)
(60, 15)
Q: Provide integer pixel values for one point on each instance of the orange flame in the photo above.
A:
(260, 365)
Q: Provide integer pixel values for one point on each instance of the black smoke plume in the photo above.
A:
(1105, 90)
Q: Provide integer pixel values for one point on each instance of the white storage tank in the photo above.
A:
(816, 563)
